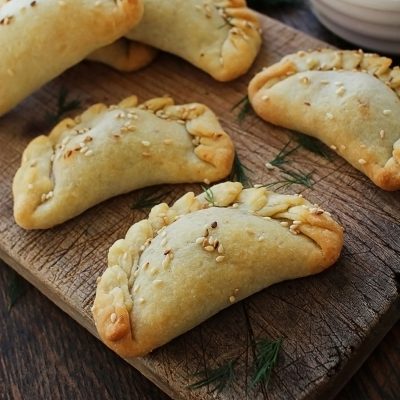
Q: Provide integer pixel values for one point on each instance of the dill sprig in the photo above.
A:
(245, 105)
(209, 196)
(292, 178)
(16, 289)
(266, 357)
(149, 198)
(281, 157)
(238, 173)
(218, 378)
(63, 106)
(313, 145)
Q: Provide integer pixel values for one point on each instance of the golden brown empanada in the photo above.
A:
(125, 55)
(112, 150)
(41, 39)
(187, 262)
(347, 99)
(221, 37)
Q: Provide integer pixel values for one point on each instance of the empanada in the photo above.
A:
(112, 150)
(347, 99)
(41, 39)
(187, 262)
(124, 55)
(221, 37)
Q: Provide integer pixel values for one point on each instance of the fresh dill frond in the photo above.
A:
(281, 157)
(313, 145)
(238, 173)
(209, 196)
(292, 178)
(245, 105)
(217, 379)
(17, 287)
(266, 357)
(63, 106)
(149, 198)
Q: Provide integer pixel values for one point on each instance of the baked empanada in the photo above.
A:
(41, 39)
(221, 37)
(347, 99)
(108, 151)
(125, 55)
(187, 262)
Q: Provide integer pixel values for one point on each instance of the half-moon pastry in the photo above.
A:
(108, 151)
(41, 39)
(187, 262)
(347, 99)
(221, 37)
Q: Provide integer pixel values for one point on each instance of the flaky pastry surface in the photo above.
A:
(348, 99)
(41, 39)
(113, 150)
(186, 262)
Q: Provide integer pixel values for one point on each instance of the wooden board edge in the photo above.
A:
(338, 381)
(84, 322)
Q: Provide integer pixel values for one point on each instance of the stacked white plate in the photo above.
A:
(371, 24)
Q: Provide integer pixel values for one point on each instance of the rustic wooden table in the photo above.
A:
(44, 354)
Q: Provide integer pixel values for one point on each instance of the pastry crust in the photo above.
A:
(347, 99)
(41, 39)
(119, 148)
(187, 262)
(125, 55)
(221, 37)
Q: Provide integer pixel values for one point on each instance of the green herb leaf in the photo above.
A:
(292, 178)
(245, 109)
(280, 158)
(63, 106)
(218, 379)
(266, 358)
(313, 145)
(16, 289)
(238, 173)
(149, 198)
(209, 196)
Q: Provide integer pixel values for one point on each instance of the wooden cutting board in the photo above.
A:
(329, 323)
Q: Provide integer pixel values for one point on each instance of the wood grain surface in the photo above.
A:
(329, 322)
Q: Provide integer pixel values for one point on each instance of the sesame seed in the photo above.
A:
(333, 147)
(219, 259)
(296, 222)
(269, 166)
(265, 98)
(166, 261)
(232, 299)
(88, 153)
(261, 238)
(141, 300)
(146, 154)
(211, 240)
(113, 317)
(329, 115)
(362, 161)
(324, 82)
(209, 248)
(258, 185)
(341, 91)
(206, 181)
(164, 242)
(200, 239)
(157, 282)
(387, 112)
(146, 143)
(167, 141)
(235, 205)
(305, 80)
(382, 134)
(285, 223)
(220, 248)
